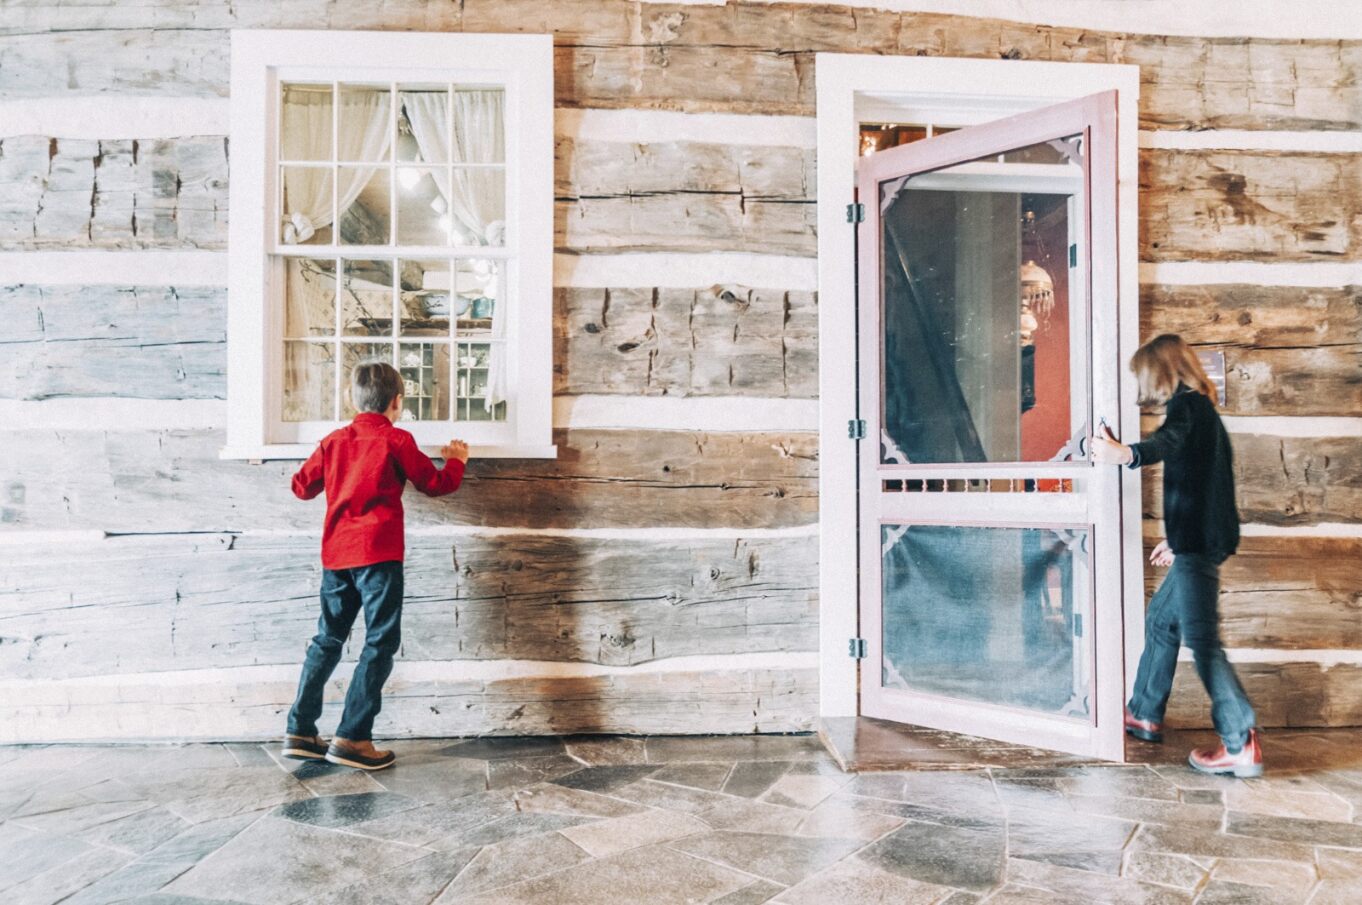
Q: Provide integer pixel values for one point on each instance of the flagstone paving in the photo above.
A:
(655, 821)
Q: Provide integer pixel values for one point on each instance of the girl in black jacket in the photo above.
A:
(1202, 529)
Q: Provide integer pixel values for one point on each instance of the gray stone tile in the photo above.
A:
(200, 840)
(803, 790)
(1036, 832)
(1092, 887)
(1118, 782)
(751, 779)
(834, 819)
(1291, 881)
(501, 747)
(1097, 862)
(550, 798)
(344, 810)
(856, 881)
(73, 820)
(676, 748)
(435, 780)
(57, 883)
(513, 861)
(137, 833)
(710, 777)
(783, 859)
(645, 876)
(748, 816)
(1177, 871)
(27, 853)
(278, 860)
(1219, 892)
(948, 856)
(907, 811)
(429, 824)
(1149, 811)
(1198, 843)
(752, 894)
(517, 774)
(605, 779)
(199, 795)
(605, 750)
(138, 878)
(504, 828)
(603, 838)
(1204, 796)
(249, 755)
(676, 798)
(414, 883)
(971, 794)
(1294, 829)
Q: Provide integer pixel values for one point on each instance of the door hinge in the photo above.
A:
(1073, 255)
(856, 213)
(856, 648)
(856, 429)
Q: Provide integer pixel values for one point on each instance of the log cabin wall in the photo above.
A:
(660, 576)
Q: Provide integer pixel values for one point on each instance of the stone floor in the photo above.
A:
(734, 820)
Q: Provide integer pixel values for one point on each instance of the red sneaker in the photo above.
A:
(1215, 759)
(1143, 729)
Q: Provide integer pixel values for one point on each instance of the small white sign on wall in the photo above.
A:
(1213, 361)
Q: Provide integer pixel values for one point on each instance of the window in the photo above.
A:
(406, 185)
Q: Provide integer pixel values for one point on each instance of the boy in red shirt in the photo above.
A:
(363, 468)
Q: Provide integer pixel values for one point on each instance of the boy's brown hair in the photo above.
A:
(374, 385)
(1163, 363)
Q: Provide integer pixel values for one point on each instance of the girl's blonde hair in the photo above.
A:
(1163, 363)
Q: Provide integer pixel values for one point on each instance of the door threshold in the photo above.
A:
(863, 744)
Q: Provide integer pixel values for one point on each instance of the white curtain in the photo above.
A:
(307, 136)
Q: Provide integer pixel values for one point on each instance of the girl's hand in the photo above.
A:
(1108, 452)
(455, 449)
(1162, 556)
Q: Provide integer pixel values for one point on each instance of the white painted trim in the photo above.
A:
(1325, 19)
(685, 271)
(112, 117)
(654, 126)
(1294, 425)
(113, 268)
(106, 413)
(1313, 274)
(1252, 140)
(1325, 658)
(700, 413)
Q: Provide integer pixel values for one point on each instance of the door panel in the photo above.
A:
(990, 546)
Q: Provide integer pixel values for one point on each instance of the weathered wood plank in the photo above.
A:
(181, 602)
(1288, 350)
(1285, 480)
(739, 57)
(1295, 593)
(1249, 205)
(1283, 695)
(158, 481)
(674, 342)
(158, 343)
(238, 705)
(64, 193)
(683, 222)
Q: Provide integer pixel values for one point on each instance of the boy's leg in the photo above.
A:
(380, 587)
(340, 604)
(1159, 660)
(1230, 708)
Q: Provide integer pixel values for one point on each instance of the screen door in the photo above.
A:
(990, 544)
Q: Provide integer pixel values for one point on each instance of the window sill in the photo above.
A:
(300, 451)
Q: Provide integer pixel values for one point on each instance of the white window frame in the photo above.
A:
(523, 66)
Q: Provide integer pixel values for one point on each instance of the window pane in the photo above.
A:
(367, 298)
(353, 354)
(310, 306)
(424, 299)
(477, 202)
(305, 123)
(422, 209)
(479, 285)
(306, 217)
(423, 125)
(999, 615)
(479, 127)
(365, 132)
(364, 198)
(309, 381)
(481, 382)
(425, 378)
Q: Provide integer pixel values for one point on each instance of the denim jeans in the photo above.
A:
(1185, 609)
(378, 590)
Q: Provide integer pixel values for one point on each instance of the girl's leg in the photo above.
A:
(1230, 708)
(1154, 678)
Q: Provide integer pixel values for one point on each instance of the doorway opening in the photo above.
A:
(975, 307)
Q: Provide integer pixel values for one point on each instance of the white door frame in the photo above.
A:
(854, 88)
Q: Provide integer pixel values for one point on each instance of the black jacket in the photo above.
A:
(1199, 514)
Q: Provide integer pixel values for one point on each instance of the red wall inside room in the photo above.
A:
(1046, 427)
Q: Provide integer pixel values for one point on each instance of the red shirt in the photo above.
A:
(363, 468)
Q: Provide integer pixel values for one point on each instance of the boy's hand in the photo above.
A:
(455, 449)
(1162, 556)
(1106, 451)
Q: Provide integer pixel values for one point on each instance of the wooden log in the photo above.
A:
(1283, 695)
(64, 193)
(679, 342)
(212, 601)
(1249, 205)
(157, 343)
(687, 223)
(601, 169)
(159, 481)
(238, 705)
(1288, 350)
(1293, 593)
(1285, 480)
(734, 58)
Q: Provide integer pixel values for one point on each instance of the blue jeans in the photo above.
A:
(1185, 609)
(378, 590)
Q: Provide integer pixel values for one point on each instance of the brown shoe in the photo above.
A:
(360, 755)
(304, 747)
